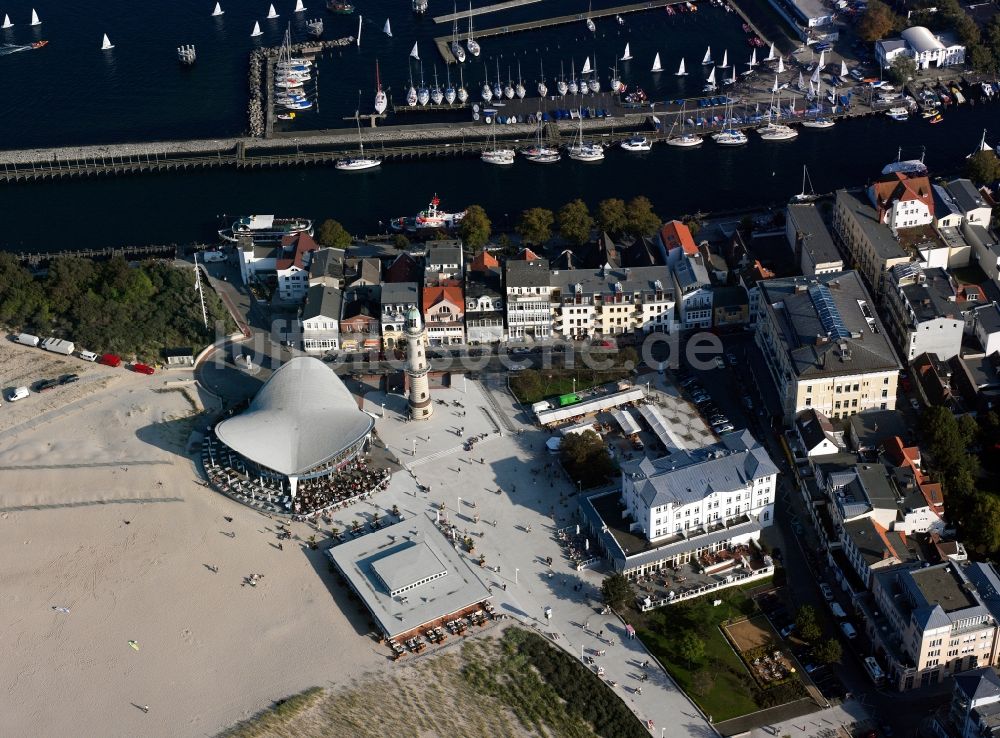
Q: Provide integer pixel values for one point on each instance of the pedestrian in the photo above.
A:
(601, 634)
(281, 546)
(144, 708)
(482, 460)
(505, 586)
(638, 690)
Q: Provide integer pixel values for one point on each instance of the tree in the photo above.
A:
(400, 241)
(983, 168)
(808, 625)
(611, 216)
(690, 648)
(877, 22)
(585, 458)
(575, 222)
(475, 228)
(616, 590)
(983, 528)
(829, 651)
(527, 385)
(982, 58)
(332, 234)
(902, 69)
(628, 355)
(642, 221)
(694, 226)
(535, 226)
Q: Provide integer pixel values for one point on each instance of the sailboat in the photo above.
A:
(360, 18)
(781, 65)
(772, 131)
(585, 150)
(470, 43)
(729, 136)
(381, 101)
(359, 162)
(627, 55)
(449, 91)
(657, 67)
(411, 93)
(684, 140)
(299, 7)
(710, 85)
(616, 84)
(455, 46)
(487, 93)
(805, 196)
(820, 122)
(539, 153)
(770, 54)
(34, 18)
(822, 60)
(573, 87)
(708, 57)
(586, 66)
(561, 87)
(387, 29)
(501, 157)
(590, 23)
(519, 89)
(497, 89)
(543, 89)
(107, 45)
(461, 92)
(725, 60)
(256, 32)
(423, 94)
(436, 95)
(6, 22)
(415, 52)
(508, 89)
(753, 59)
(271, 12)
(680, 72)
(843, 70)
(218, 10)
(594, 83)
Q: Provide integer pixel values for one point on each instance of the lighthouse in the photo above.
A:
(416, 367)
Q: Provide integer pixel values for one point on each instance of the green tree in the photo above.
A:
(642, 221)
(627, 356)
(611, 216)
(575, 222)
(690, 648)
(983, 168)
(475, 228)
(332, 234)
(983, 527)
(535, 226)
(616, 591)
(807, 623)
(527, 385)
(694, 225)
(828, 651)
(902, 69)
(586, 459)
(982, 58)
(877, 22)
(400, 241)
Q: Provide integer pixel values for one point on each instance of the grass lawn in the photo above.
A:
(555, 382)
(731, 692)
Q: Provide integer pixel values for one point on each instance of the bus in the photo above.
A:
(874, 670)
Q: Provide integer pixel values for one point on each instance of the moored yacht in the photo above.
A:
(685, 140)
(637, 143)
(730, 137)
(777, 132)
(266, 228)
(430, 218)
(821, 122)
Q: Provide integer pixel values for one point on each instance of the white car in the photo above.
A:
(18, 393)
(914, 403)
(827, 592)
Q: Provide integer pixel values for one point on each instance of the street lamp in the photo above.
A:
(515, 575)
(458, 508)
(383, 409)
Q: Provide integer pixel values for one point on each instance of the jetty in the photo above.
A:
(40, 260)
(483, 10)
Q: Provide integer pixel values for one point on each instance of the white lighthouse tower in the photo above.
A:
(421, 407)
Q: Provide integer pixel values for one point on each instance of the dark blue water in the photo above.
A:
(72, 92)
(187, 208)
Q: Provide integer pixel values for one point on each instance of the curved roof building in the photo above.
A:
(302, 423)
(921, 40)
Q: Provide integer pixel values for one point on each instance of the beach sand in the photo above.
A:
(101, 513)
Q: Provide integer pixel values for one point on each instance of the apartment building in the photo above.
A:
(484, 306)
(825, 346)
(443, 262)
(319, 321)
(396, 299)
(359, 319)
(902, 201)
(444, 314)
(923, 313)
(869, 241)
(609, 302)
(693, 291)
(811, 241)
(527, 291)
(974, 710)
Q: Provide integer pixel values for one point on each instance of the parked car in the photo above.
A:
(837, 610)
(87, 355)
(849, 630)
(731, 358)
(827, 592)
(143, 368)
(111, 360)
(46, 384)
(18, 393)
(788, 630)
(69, 378)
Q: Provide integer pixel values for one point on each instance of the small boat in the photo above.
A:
(39, 44)
(470, 43)
(419, 6)
(272, 13)
(929, 113)
(34, 18)
(770, 55)
(710, 85)
(286, 116)
(461, 93)
(936, 119)
(436, 94)
(6, 22)
(415, 51)
(299, 7)
(561, 87)
(387, 29)
(381, 100)
(519, 88)
(585, 150)
(725, 60)
(777, 132)
(637, 143)
(340, 8)
(708, 57)
(680, 71)
(107, 45)
(411, 96)
(627, 55)
(508, 89)
(457, 51)
(450, 93)
(820, 123)
(256, 32)
(657, 66)
(898, 113)
(487, 91)
(543, 89)
(315, 27)
(594, 83)
(266, 228)
(501, 157)
(218, 10)
(430, 218)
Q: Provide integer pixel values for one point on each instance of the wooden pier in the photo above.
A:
(442, 41)
(36, 260)
(483, 10)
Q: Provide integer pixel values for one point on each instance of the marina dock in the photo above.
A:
(442, 41)
(483, 10)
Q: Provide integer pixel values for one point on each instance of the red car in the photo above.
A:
(111, 360)
(142, 368)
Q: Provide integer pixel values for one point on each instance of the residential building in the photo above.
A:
(359, 320)
(396, 299)
(694, 292)
(403, 268)
(869, 242)
(527, 290)
(327, 267)
(319, 321)
(986, 326)
(976, 379)
(363, 275)
(976, 208)
(947, 213)
(749, 276)
(825, 346)
(868, 430)
(902, 200)
(484, 302)
(444, 262)
(444, 314)
(608, 302)
(930, 622)
(730, 307)
(816, 434)
(285, 265)
(974, 710)
(676, 239)
(811, 241)
(926, 49)
(985, 248)
(870, 547)
(922, 312)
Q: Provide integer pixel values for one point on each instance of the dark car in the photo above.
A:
(69, 378)
(46, 384)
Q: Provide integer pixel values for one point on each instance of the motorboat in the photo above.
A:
(819, 122)
(730, 137)
(419, 6)
(428, 219)
(266, 228)
(340, 8)
(777, 132)
(356, 164)
(503, 157)
(637, 143)
(898, 113)
(285, 116)
(685, 140)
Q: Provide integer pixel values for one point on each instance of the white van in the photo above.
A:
(87, 355)
(18, 393)
(837, 610)
(213, 256)
(874, 670)
(542, 406)
(849, 630)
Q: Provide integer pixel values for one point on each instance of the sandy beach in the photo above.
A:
(101, 513)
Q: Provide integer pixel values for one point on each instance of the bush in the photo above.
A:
(585, 458)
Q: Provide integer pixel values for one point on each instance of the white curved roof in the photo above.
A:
(301, 417)
(921, 40)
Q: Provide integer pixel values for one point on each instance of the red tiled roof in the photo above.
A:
(450, 292)
(899, 187)
(674, 234)
(527, 255)
(303, 244)
(901, 455)
(484, 262)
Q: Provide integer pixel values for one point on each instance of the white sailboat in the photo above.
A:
(684, 140)
(708, 57)
(586, 66)
(299, 7)
(538, 152)
(561, 87)
(519, 89)
(470, 43)
(585, 150)
(807, 193)
(218, 9)
(271, 12)
(415, 52)
(680, 72)
(729, 136)
(34, 18)
(381, 101)
(543, 89)
(387, 29)
(781, 65)
(450, 93)
(359, 30)
(6, 22)
(657, 67)
(732, 80)
(627, 55)
(770, 54)
(772, 131)
(423, 94)
(436, 94)
(357, 163)
(710, 85)
(843, 69)
(461, 92)
(573, 87)
(725, 60)
(822, 60)
(107, 43)
(590, 23)
(456, 46)
(496, 155)
(256, 31)
(411, 93)
(594, 83)
(753, 59)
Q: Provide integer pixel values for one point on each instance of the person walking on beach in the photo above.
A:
(144, 708)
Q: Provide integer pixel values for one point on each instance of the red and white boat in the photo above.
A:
(430, 218)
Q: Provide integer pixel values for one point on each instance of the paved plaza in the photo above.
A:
(516, 530)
